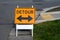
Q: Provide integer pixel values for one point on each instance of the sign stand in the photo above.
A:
(27, 26)
(22, 27)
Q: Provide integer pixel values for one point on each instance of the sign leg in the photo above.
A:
(32, 32)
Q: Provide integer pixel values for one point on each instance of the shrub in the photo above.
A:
(47, 30)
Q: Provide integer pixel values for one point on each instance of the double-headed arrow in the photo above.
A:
(20, 18)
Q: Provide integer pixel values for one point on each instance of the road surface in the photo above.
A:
(7, 13)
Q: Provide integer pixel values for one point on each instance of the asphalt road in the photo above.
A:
(7, 15)
(7, 12)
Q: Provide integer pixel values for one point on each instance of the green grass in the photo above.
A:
(47, 30)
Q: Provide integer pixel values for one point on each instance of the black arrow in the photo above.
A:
(20, 18)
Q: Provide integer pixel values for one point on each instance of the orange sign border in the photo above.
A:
(24, 8)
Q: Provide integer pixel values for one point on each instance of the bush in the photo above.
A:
(47, 30)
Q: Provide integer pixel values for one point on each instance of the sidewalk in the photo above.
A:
(20, 37)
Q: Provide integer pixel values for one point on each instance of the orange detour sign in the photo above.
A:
(24, 16)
